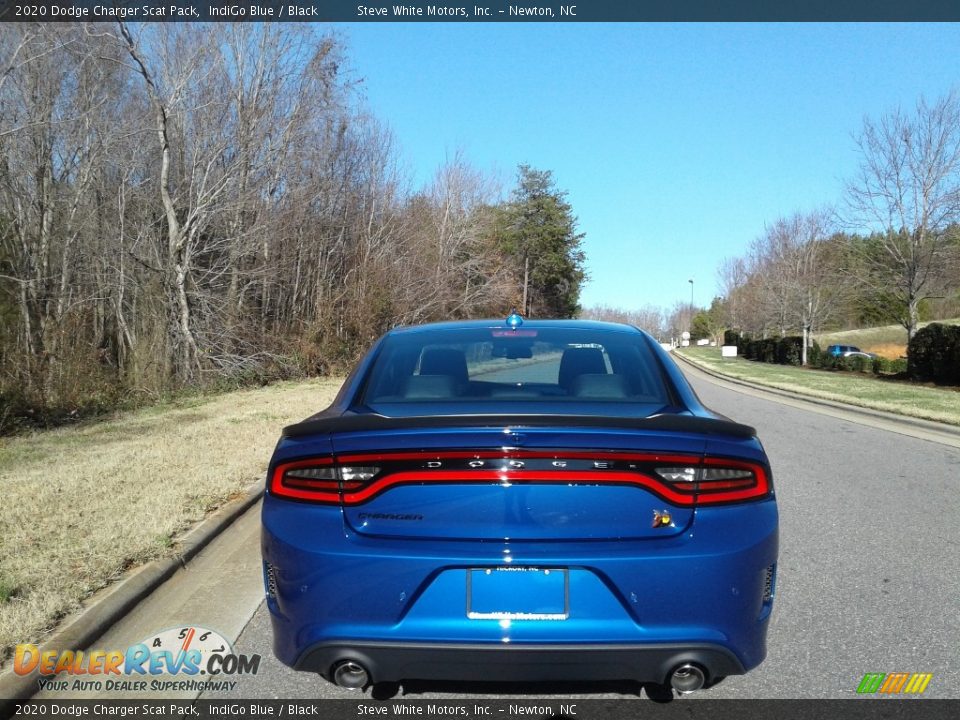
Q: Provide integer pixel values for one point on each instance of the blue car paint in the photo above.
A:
(337, 577)
(705, 586)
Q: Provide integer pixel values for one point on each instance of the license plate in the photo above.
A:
(521, 593)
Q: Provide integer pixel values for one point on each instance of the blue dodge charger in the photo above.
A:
(519, 500)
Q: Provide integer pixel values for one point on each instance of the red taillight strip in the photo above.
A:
(503, 477)
(685, 494)
(323, 491)
(759, 487)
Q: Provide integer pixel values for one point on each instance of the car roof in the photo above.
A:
(527, 324)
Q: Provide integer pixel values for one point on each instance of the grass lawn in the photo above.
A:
(83, 504)
(931, 403)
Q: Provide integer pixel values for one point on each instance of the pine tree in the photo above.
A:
(537, 231)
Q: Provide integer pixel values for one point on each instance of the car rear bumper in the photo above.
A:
(393, 662)
(636, 608)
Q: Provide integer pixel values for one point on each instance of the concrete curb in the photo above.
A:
(83, 628)
(919, 423)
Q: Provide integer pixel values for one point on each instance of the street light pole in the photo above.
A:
(690, 327)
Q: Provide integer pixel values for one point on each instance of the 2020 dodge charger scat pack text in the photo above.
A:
(522, 501)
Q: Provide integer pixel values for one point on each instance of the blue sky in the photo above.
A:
(676, 143)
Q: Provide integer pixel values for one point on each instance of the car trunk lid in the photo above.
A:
(515, 483)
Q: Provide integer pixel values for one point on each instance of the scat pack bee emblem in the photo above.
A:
(662, 518)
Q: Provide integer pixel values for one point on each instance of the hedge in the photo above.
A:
(882, 366)
(789, 351)
(934, 354)
(782, 351)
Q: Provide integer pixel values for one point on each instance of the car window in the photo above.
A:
(503, 366)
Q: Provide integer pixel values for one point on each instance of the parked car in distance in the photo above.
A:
(848, 351)
(519, 501)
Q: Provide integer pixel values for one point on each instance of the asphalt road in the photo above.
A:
(869, 573)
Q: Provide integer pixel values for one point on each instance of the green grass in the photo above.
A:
(8, 590)
(921, 401)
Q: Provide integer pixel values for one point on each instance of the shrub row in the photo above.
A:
(934, 354)
(883, 366)
(878, 366)
(789, 351)
(782, 351)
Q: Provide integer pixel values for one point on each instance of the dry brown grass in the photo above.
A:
(81, 505)
(888, 350)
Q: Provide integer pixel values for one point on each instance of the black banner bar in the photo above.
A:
(477, 10)
(507, 709)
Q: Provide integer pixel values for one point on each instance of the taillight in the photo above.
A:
(318, 479)
(684, 480)
(717, 480)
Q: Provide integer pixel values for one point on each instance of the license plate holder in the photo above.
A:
(518, 593)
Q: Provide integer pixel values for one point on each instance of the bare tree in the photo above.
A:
(648, 317)
(810, 271)
(182, 215)
(178, 201)
(53, 147)
(449, 229)
(908, 190)
(790, 280)
(769, 263)
(733, 276)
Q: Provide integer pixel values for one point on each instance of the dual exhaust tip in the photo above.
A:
(352, 675)
(687, 678)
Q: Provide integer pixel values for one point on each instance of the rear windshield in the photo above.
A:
(477, 369)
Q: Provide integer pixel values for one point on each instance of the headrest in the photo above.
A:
(578, 361)
(429, 387)
(601, 387)
(444, 361)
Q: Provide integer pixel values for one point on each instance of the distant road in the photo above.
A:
(543, 371)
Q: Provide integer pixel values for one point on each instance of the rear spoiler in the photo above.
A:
(323, 423)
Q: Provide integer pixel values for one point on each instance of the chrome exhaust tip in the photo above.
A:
(687, 678)
(351, 675)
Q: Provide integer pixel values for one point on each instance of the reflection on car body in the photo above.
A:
(463, 511)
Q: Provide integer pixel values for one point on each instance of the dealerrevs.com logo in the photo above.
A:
(171, 660)
(894, 683)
